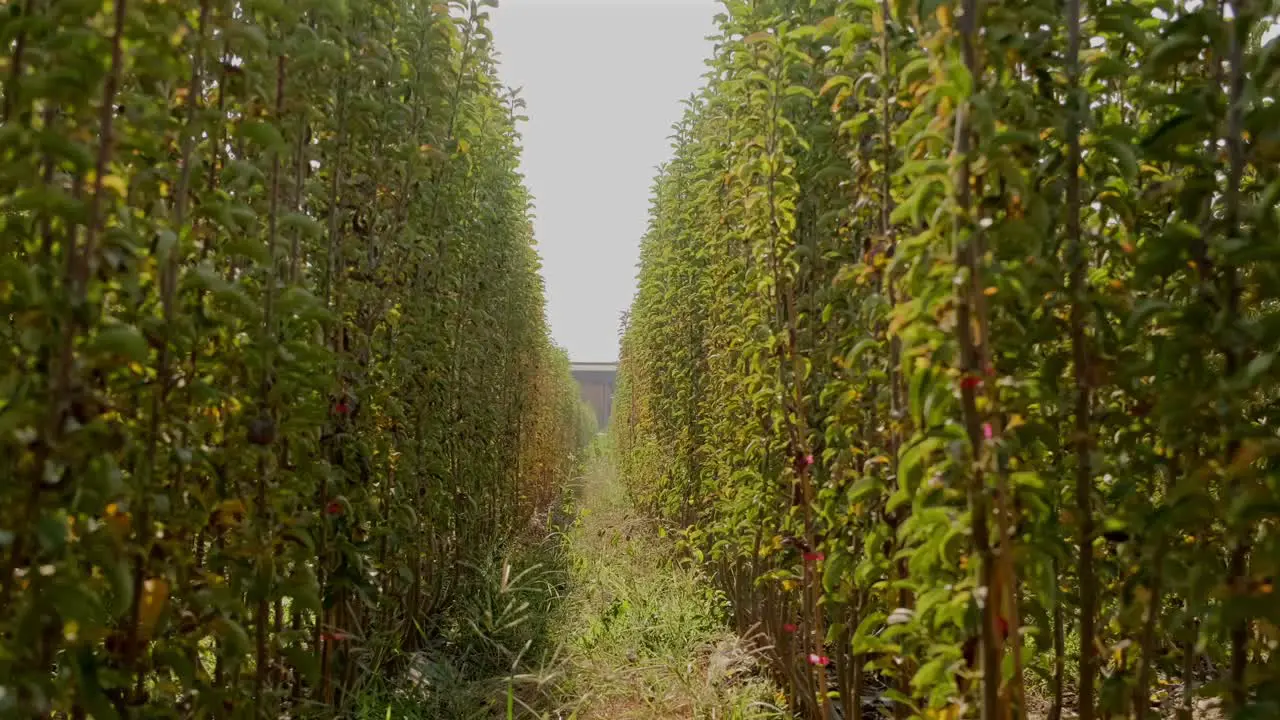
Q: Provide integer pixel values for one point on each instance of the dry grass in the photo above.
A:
(1170, 701)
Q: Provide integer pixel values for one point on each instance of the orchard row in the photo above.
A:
(275, 370)
(954, 352)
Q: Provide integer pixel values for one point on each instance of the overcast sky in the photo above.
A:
(603, 80)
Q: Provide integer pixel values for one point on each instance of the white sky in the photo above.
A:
(603, 80)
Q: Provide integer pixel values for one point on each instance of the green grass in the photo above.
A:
(644, 636)
(492, 649)
(596, 621)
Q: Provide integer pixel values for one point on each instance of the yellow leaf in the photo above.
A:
(230, 512)
(950, 712)
(116, 183)
(155, 594)
(944, 16)
(117, 522)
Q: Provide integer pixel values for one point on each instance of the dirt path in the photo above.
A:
(643, 637)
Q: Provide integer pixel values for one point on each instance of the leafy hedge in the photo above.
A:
(275, 366)
(954, 352)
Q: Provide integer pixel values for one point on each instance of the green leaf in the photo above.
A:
(263, 134)
(1176, 130)
(166, 240)
(835, 568)
(1122, 153)
(119, 575)
(304, 661)
(302, 224)
(304, 589)
(91, 693)
(1258, 367)
(235, 641)
(121, 341)
(930, 674)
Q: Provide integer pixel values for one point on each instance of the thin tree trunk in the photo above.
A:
(1082, 434)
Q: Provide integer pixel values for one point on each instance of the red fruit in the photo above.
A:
(968, 382)
(789, 627)
(970, 647)
(800, 463)
(333, 508)
(822, 660)
(814, 556)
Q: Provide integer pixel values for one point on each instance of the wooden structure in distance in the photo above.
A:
(596, 381)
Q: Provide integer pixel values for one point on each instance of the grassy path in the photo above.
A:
(594, 621)
(642, 636)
